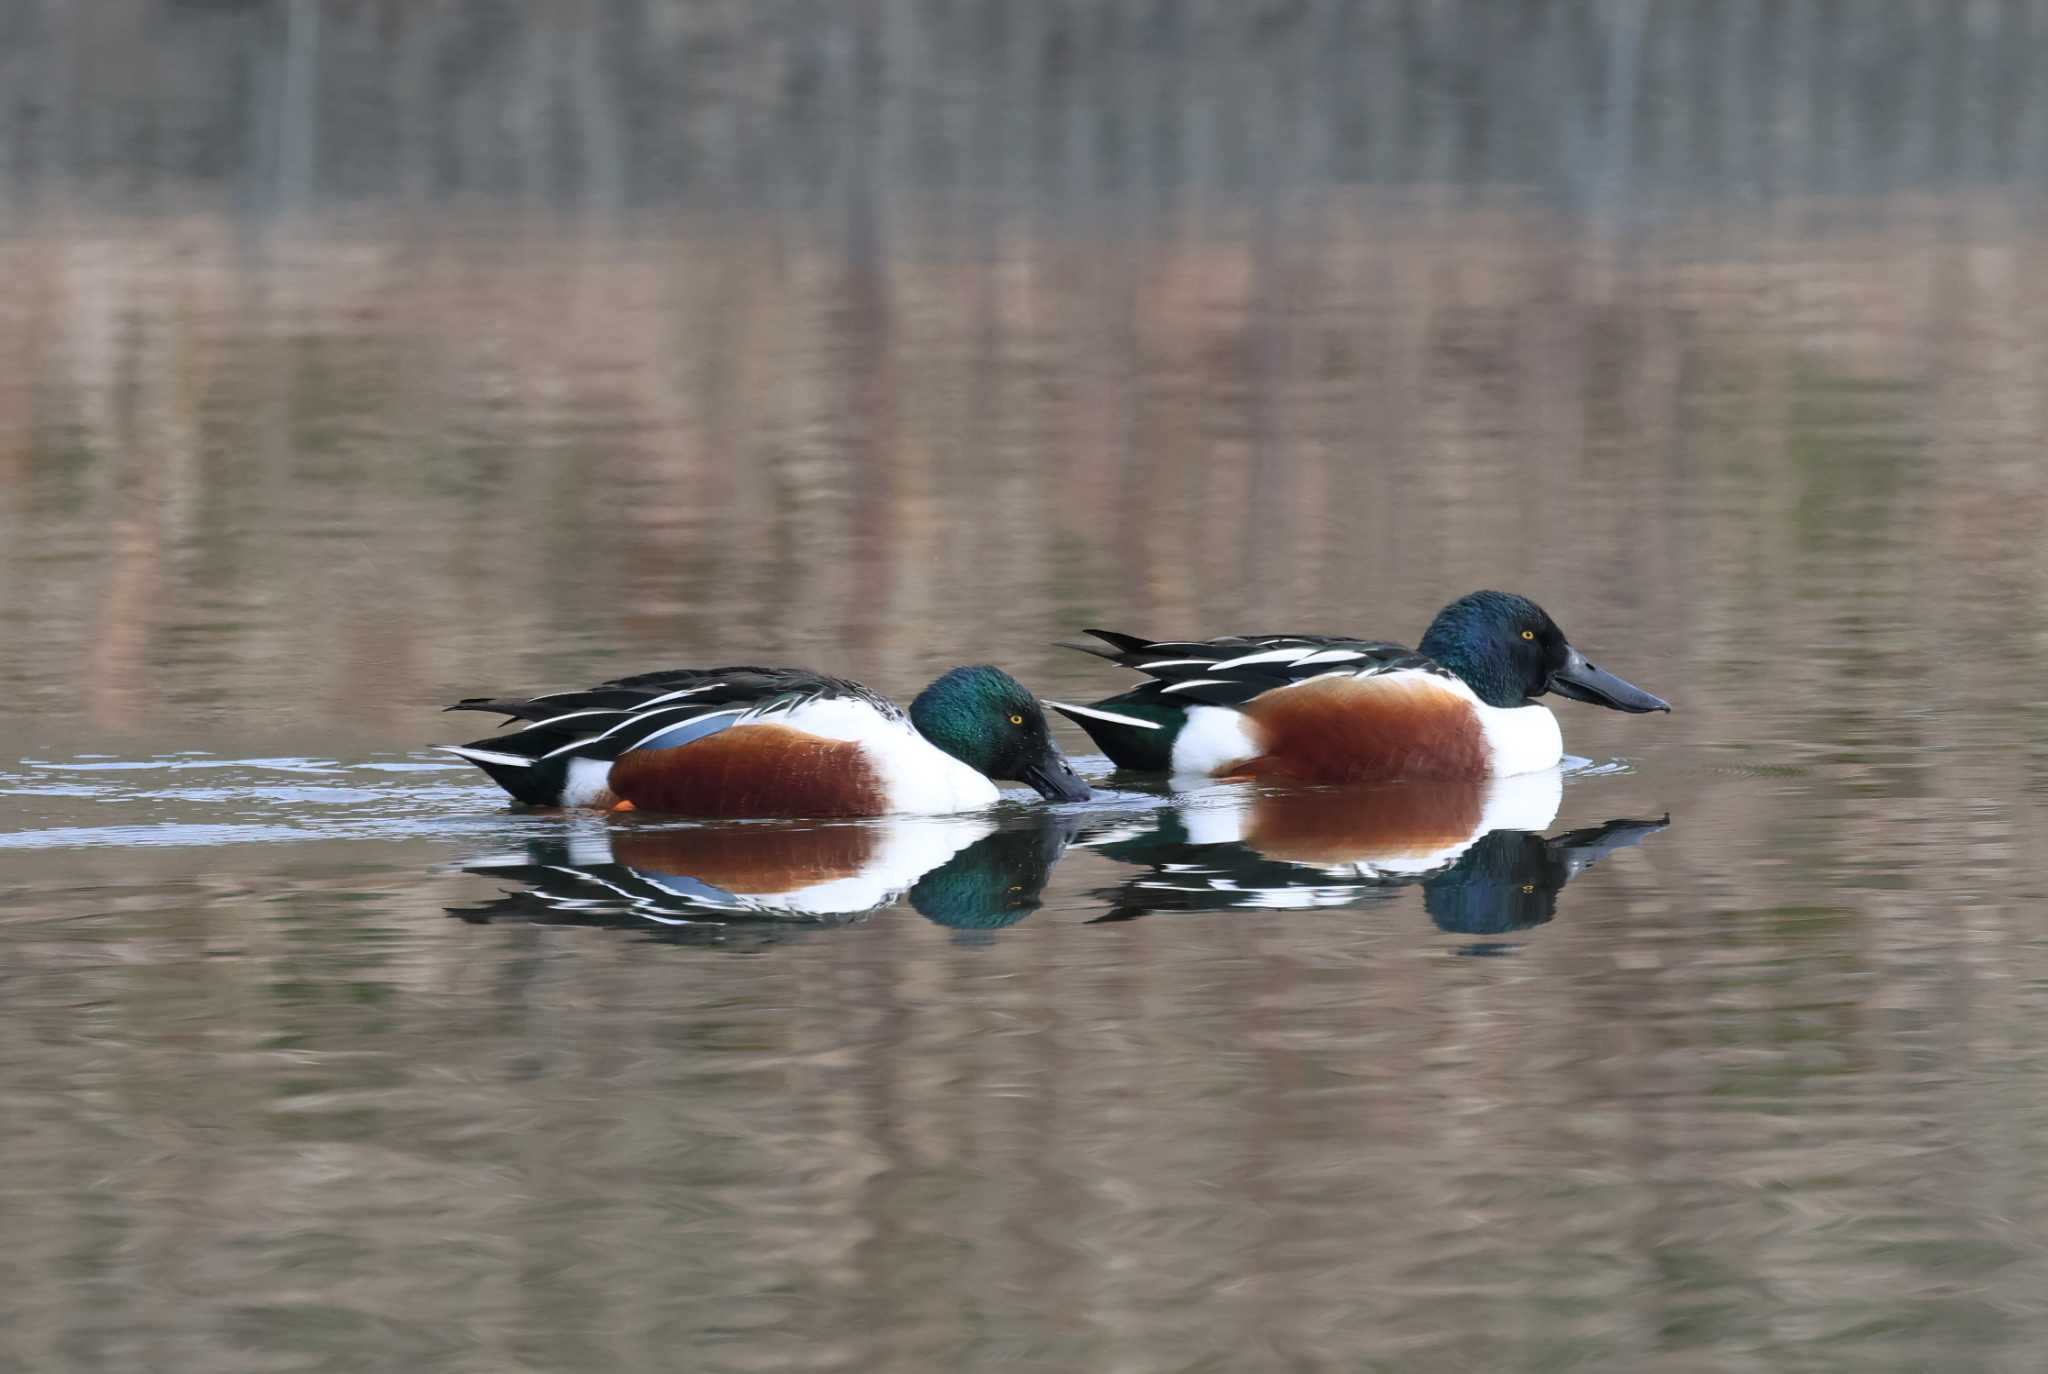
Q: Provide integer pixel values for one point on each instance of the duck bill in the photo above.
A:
(1581, 681)
(1053, 778)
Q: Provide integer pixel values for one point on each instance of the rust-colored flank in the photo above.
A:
(1346, 729)
(1401, 821)
(751, 859)
(752, 771)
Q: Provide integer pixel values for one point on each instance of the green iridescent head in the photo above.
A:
(983, 717)
(1509, 652)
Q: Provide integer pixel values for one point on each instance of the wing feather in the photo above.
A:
(1232, 670)
(661, 709)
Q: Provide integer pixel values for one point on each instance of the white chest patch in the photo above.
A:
(1213, 737)
(1520, 739)
(588, 782)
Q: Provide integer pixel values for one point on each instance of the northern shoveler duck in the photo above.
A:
(1324, 709)
(746, 742)
(1476, 848)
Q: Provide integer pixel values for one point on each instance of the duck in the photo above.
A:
(748, 742)
(1328, 709)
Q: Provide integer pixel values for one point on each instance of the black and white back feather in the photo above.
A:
(670, 707)
(1233, 669)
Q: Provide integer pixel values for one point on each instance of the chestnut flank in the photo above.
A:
(1348, 729)
(752, 771)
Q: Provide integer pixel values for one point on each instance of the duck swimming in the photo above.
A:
(752, 742)
(1328, 709)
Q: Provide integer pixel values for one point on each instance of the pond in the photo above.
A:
(1719, 1048)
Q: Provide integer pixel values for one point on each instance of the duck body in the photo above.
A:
(753, 742)
(1311, 709)
(1330, 709)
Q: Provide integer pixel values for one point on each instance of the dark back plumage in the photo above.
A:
(1233, 669)
(605, 721)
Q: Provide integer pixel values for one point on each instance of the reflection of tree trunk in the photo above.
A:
(145, 447)
(419, 103)
(1623, 61)
(600, 139)
(864, 332)
(1829, 97)
(59, 72)
(298, 108)
(146, 428)
(134, 553)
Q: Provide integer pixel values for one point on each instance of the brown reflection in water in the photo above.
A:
(748, 859)
(1327, 826)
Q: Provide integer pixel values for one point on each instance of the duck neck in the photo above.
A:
(1493, 681)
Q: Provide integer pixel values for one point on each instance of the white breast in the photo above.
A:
(1521, 739)
(1213, 737)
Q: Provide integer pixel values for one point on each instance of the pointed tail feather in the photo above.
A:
(534, 784)
(1121, 645)
(502, 706)
(1129, 644)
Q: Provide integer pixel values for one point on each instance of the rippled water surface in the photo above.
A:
(1723, 1049)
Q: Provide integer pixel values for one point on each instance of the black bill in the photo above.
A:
(1055, 779)
(1581, 681)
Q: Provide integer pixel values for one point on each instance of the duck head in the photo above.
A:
(1509, 651)
(983, 717)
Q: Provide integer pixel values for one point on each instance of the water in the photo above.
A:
(1721, 1051)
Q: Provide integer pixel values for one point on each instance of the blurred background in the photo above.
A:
(890, 333)
(356, 356)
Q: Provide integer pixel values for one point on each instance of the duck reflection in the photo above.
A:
(761, 883)
(1475, 849)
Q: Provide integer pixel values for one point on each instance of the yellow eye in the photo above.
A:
(1528, 634)
(1016, 720)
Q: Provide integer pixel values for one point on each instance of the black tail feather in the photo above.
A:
(1122, 646)
(537, 784)
(502, 706)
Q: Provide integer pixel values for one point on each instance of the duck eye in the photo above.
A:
(1528, 634)
(1016, 720)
